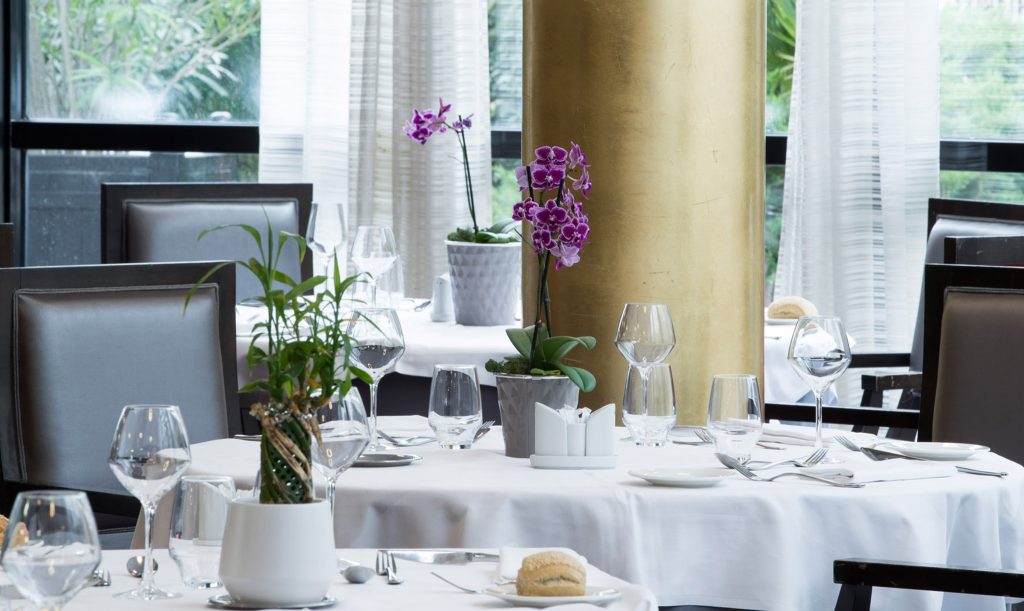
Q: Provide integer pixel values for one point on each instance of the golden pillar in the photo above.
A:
(666, 97)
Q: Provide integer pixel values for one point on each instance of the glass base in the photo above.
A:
(147, 594)
(830, 460)
(377, 447)
(202, 583)
(649, 443)
(455, 445)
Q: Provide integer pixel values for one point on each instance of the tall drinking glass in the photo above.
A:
(649, 404)
(820, 352)
(374, 251)
(455, 410)
(377, 344)
(198, 516)
(148, 456)
(326, 235)
(734, 414)
(52, 546)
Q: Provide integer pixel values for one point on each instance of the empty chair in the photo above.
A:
(987, 250)
(160, 222)
(81, 343)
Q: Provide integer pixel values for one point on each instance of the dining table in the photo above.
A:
(419, 591)
(739, 544)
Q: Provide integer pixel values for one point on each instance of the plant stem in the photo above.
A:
(461, 134)
(543, 262)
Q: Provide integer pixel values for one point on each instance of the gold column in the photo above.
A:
(666, 97)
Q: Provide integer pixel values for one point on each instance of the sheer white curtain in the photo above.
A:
(338, 80)
(862, 161)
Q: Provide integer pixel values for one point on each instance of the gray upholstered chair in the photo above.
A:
(159, 222)
(81, 342)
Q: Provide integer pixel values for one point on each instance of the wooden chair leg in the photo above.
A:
(854, 598)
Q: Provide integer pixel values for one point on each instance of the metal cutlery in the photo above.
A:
(703, 434)
(808, 461)
(772, 445)
(732, 463)
(99, 579)
(392, 570)
(880, 455)
(406, 442)
(382, 562)
(248, 437)
(442, 557)
(470, 590)
(422, 306)
(483, 430)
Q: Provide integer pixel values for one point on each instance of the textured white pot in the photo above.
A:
(486, 284)
(517, 395)
(276, 555)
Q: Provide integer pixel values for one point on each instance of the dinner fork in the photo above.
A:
(406, 442)
(880, 455)
(815, 457)
(501, 582)
(732, 463)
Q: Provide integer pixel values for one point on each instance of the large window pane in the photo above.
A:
(773, 183)
(504, 188)
(982, 69)
(131, 60)
(63, 209)
(988, 186)
(779, 72)
(506, 57)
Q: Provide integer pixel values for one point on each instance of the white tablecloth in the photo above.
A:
(741, 544)
(421, 591)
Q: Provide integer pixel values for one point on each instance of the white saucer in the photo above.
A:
(935, 450)
(701, 477)
(595, 595)
(224, 601)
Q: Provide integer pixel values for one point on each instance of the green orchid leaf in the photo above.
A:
(580, 377)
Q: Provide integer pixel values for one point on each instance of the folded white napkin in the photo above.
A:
(804, 435)
(511, 558)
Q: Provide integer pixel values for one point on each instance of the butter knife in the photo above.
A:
(435, 557)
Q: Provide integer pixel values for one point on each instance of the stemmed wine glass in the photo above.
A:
(645, 336)
(820, 353)
(52, 546)
(374, 251)
(326, 233)
(344, 434)
(377, 344)
(148, 456)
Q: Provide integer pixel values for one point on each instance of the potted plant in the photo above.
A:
(279, 549)
(484, 263)
(560, 229)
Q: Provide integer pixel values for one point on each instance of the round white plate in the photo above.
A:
(595, 595)
(385, 459)
(224, 601)
(935, 450)
(703, 477)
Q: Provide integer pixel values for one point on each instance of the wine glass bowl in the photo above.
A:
(645, 334)
(819, 351)
(52, 546)
(344, 434)
(377, 344)
(374, 251)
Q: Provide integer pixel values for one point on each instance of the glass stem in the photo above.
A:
(332, 484)
(373, 413)
(373, 292)
(817, 419)
(147, 566)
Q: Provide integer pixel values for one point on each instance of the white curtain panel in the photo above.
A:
(339, 78)
(861, 162)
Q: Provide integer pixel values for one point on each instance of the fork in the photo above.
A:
(406, 442)
(816, 457)
(703, 434)
(392, 571)
(100, 578)
(501, 582)
(732, 463)
(880, 455)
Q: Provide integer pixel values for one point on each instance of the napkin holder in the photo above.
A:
(574, 438)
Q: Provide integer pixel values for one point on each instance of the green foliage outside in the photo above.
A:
(781, 51)
(144, 59)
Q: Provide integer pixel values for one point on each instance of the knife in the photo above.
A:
(434, 557)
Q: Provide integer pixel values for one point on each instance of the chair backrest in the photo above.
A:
(160, 222)
(974, 353)
(82, 342)
(987, 250)
(6, 244)
(951, 217)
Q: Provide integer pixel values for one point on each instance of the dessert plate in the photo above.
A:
(385, 459)
(595, 595)
(224, 601)
(935, 450)
(701, 477)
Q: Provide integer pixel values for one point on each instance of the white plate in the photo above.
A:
(224, 601)
(703, 477)
(780, 321)
(595, 595)
(934, 450)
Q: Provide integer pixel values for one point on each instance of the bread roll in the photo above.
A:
(791, 307)
(551, 574)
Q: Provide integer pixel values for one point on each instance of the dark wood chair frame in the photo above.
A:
(1006, 251)
(123, 275)
(6, 245)
(114, 196)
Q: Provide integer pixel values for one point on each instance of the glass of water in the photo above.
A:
(734, 414)
(455, 406)
(649, 403)
(198, 516)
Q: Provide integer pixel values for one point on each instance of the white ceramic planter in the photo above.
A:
(276, 555)
(517, 395)
(486, 285)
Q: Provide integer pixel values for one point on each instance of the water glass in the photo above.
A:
(734, 414)
(52, 546)
(455, 410)
(645, 334)
(649, 403)
(198, 515)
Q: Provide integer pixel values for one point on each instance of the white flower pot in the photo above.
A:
(517, 395)
(276, 555)
(486, 284)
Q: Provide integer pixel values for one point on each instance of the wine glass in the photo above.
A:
(645, 334)
(344, 434)
(325, 234)
(377, 344)
(52, 546)
(374, 251)
(734, 414)
(148, 456)
(455, 410)
(820, 352)
(649, 410)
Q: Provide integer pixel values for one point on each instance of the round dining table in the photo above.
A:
(740, 544)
